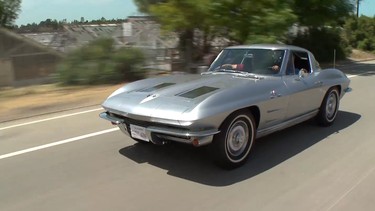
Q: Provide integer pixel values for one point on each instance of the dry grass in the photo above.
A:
(33, 100)
(358, 55)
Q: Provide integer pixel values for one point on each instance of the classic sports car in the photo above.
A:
(248, 92)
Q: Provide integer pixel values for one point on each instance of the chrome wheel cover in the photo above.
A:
(237, 138)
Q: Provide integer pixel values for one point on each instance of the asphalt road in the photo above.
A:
(76, 161)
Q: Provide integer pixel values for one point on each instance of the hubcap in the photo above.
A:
(331, 106)
(237, 138)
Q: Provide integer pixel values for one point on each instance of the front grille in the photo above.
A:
(129, 121)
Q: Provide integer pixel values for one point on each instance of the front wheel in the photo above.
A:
(329, 108)
(231, 147)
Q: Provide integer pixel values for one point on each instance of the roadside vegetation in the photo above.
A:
(100, 63)
(326, 28)
(360, 33)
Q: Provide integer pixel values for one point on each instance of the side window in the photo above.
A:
(315, 64)
(301, 61)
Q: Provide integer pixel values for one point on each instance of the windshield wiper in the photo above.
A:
(228, 71)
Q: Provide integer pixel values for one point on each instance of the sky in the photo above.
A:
(40, 10)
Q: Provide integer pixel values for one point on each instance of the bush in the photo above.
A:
(129, 62)
(322, 42)
(360, 32)
(99, 63)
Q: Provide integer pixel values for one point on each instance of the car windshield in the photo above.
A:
(256, 61)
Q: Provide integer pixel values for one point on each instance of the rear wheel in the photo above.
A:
(329, 108)
(231, 147)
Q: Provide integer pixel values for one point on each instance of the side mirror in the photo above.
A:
(303, 73)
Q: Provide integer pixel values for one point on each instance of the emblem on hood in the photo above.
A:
(149, 97)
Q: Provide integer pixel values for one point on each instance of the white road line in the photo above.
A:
(353, 76)
(351, 189)
(48, 119)
(57, 143)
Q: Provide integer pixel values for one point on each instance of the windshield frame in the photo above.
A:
(263, 66)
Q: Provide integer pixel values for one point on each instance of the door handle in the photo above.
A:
(274, 94)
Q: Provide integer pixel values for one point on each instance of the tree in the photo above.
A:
(144, 5)
(253, 21)
(360, 32)
(241, 21)
(9, 10)
(316, 13)
(184, 17)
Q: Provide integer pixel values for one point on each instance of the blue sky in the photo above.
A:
(40, 10)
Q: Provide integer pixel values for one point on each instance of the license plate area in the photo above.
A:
(138, 132)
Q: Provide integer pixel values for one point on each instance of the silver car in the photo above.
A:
(248, 92)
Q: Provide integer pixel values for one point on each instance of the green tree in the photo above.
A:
(9, 10)
(317, 13)
(144, 5)
(320, 26)
(241, 21)
(360, 32)
(184, 17)
(253, 21)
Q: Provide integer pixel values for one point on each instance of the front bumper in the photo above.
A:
(160, 134)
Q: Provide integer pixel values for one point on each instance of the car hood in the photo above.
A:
(169, 97)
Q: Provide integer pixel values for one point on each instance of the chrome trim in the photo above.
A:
(348, 90)
(178, 135)
(182, 133)
(110, 118)
(286, 124)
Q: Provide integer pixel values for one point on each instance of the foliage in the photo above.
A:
(98, 62)
(9, 10)
(144, 5)
(360, 32)
(317, 13)
(253, 21)
(129, 63)
(245, 21)
(183, 17)
(323, 49)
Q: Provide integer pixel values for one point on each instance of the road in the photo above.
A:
(76, 161)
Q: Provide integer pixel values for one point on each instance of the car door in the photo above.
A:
(304, 89)
(273, 101)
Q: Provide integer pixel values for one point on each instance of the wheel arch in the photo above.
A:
(256, 113)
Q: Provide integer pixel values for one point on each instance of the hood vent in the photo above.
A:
(197, 92)
(154, 88)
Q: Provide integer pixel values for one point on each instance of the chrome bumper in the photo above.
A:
(159, 135)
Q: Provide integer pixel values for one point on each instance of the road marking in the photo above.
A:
(57, 143)
(352, 188)
(353, 76)
(52, 118)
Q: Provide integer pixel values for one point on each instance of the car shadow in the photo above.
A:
(194, 164)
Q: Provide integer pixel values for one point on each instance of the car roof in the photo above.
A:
(268, 46)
